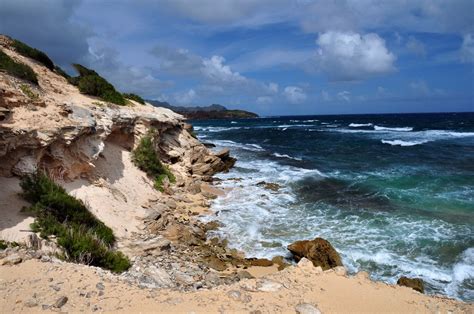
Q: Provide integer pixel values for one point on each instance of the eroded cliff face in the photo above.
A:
(85, 143)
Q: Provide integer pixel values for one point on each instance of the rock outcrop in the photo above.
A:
(414, 283)
(319, 251)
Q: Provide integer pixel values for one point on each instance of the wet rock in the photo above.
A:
(414, 283)
(269, 186)
(12, 259)
(60, 302)
(306, 308)
(319, 251)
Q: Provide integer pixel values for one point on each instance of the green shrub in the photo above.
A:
(83, 237)
(146, 158)
(91, 83)
(16, 69)
(33, 53)
(5, 244)
(28, 92)
(134, 97)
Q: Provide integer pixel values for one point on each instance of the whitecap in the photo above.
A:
(358, 125)
(233, 122)
(403, 143)
(395, 129)
(286, 156)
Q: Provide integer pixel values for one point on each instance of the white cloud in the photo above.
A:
(176, 60)
(416, 47)
(185, 98)
(294, 94)
(273, 87)
(467, 49)
(264, 100)
(215, 70)
(422, 89)
(344, 96)
(351, 56)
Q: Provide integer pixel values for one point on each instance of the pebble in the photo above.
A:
(60, 302)
(100, 286)
(306, 308)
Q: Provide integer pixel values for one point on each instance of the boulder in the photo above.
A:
(269, 186)
(306, 308)
(319, 251)
(414, 283)
(12, 259)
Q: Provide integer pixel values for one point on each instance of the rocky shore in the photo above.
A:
(85, 145)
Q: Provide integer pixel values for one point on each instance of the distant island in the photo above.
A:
(213, 111)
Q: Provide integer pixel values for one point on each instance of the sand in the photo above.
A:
(34, 283)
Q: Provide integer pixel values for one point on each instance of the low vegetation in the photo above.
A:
(134, 97)
(146, 158)
(5, 244)
(16, 69)
(83, 237)
(28, 92)
(61, 72)
(33, 53)
(91, 83)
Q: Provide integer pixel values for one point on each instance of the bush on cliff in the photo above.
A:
(146, 158)
(33, 53)
(16, 69)
(134, 97)
(83, 237)
(91, 83)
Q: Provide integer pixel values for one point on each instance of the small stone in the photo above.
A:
(306, 308)
(45, 258)
(234, 294)
(244, 275)
(60, 302)
(55, 288)
(31, 303)
(101, 293)
(44, 307)
(11, 260)
(267, 285)
(100, 286)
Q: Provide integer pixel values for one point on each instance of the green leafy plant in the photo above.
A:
(33, 53)
(28, 92)
(16, 69)
(134, 97)
(146, 158)
(91, 83)
(83, 237)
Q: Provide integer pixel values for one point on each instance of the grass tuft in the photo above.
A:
(83, 237)
(146, 158)
(28, 92)
(33, 53)
(16, 69)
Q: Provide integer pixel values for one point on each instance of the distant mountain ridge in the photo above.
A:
(213, 111)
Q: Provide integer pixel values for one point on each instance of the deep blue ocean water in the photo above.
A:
(394, 194)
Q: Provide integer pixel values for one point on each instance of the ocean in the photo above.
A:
(393, 193)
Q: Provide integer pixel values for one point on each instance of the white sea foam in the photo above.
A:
(358, 125)
(233, 122)
(228, 143)
(403, 143)
(286, 156)
(399, 129)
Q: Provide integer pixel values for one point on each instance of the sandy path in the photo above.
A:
(36, 283)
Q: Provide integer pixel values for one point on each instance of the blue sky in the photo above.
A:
(273, 57)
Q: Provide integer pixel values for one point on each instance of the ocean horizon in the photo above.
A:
(394, 193)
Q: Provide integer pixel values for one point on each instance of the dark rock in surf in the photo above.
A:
(414, 283)
(319, 251)
(269, 186)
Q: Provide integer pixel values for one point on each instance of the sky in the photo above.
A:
(273, 57)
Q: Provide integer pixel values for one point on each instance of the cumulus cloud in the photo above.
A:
(421, 89)
(294, 94)
(215, 70)
(467, 49)
(351, 56)
(416, 47)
